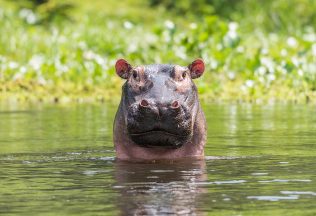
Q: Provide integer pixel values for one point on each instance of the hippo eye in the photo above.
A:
(184, 75)
(134, 74)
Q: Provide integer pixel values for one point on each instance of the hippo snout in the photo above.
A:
(171, 108)
(150, 114)
(151, 123)
(174, 105)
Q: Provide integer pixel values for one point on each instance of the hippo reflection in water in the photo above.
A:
(161, 188)
(159, 116)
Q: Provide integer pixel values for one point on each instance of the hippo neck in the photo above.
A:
(126, 149)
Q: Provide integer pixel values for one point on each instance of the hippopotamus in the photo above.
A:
(159, 115)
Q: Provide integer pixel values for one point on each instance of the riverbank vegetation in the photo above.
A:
(259, 51)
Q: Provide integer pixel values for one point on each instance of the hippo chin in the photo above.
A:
(159, 116)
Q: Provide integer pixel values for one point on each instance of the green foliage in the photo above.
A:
(286, 16)
(243, 61)
(269, 15)
(43, 11)
(197, 8)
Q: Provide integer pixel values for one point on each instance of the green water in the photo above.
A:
(59, 160)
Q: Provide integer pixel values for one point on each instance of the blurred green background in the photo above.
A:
(258, 51)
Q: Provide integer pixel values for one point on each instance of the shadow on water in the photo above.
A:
(159, 188)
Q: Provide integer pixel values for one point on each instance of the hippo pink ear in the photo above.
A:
(122, 68)
(196, 68)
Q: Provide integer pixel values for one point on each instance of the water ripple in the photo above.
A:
(274, 198)
(285, 180)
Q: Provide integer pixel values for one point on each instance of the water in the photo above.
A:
(59, 160)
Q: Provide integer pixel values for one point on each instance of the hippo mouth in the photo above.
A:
(159, 138)
(156, 130)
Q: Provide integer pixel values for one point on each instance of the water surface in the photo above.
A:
(59, 160)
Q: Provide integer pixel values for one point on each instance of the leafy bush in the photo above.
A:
(242, 63)
(44, 11)
(289, 16)
(198, 8)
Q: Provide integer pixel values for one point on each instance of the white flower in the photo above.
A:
(128, 25)
(292, 42)
(36, 62)
(213, 63)
(250, 83)
(271, 77)
(295, 61)
(261, 70)
(100, 60)
(41, 80)
(283, 52)
(264, 51)
(268, 62)
(89, 55)
(13, 65)
(300, 72)
(61, 68)
(233, 26)
(240, 49)
(169, 24)
(23, 70)
(232, 35)
(28, 15)
(193, 25)
(231, 75)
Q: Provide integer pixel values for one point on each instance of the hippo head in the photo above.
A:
(159, 102)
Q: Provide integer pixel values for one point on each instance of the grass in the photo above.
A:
(73, 59)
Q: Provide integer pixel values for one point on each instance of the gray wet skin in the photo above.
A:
(159, 115)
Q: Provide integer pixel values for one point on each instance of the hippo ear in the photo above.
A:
(122, 68)
(196, 68)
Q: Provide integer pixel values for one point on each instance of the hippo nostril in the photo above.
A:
(175, 105)
(144, 103)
